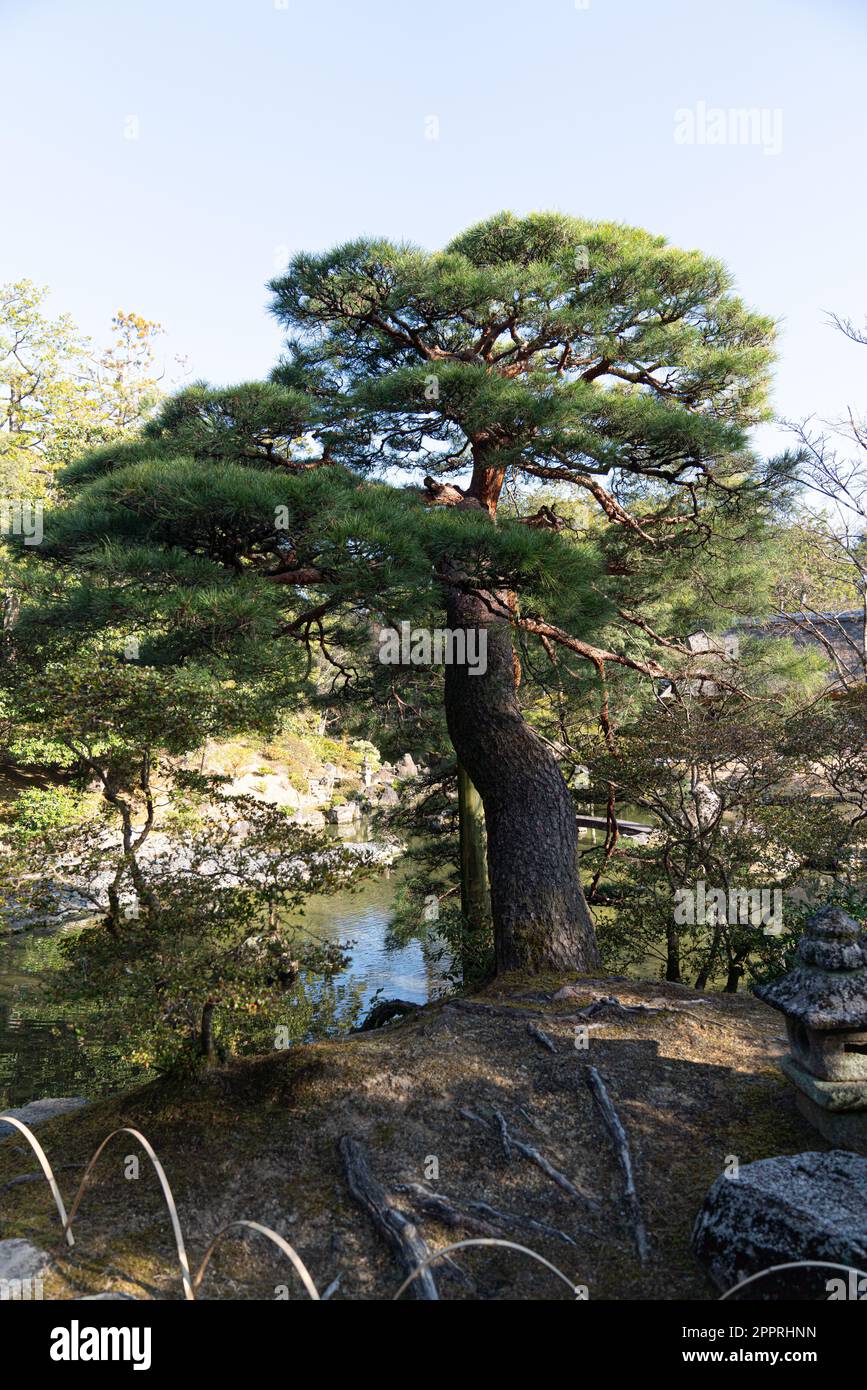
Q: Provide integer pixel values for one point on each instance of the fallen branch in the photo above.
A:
(610, 1004)
(621, 1145)
(541, 1037)
(534, 1156)
(504, 1133)
(474, 1215)
(703, 1018)
(401, 1234)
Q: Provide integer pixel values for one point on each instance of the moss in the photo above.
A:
(771, 1124)
(258, 1139)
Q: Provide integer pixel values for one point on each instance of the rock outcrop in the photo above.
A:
(802, 1207)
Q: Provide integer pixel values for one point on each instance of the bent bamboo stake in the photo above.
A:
(167, 1193)
(791, 1264)
(300, 1268)
(507, 1244)
(46, 1168)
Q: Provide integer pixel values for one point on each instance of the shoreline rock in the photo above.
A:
(36, 1112)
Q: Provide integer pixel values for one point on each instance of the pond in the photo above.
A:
(56, 1050)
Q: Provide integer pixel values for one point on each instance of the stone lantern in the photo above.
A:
(824, 999)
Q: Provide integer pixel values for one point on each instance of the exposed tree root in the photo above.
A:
(621, 1145)
(401, 1234)
(510, 1142)
(384, 1012)
(541, 1037)
(476, 1216)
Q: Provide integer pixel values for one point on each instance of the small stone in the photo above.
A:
(806, 1206)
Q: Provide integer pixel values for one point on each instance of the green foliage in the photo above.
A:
(742, 799)
(213, 920)
(58, 394)
(558, 297)
(252, 536)
(38, 810)
(775, 957)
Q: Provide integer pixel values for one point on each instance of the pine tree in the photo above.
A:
(592, 355)
(544, 349)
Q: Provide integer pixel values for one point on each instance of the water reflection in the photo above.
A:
(48, 1049)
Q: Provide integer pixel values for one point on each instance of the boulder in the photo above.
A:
(38, 1111)
(807, 1206)
(388, 797)
(406, 767)
(272, 787)
(20, 1263)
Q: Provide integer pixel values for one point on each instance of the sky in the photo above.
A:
(167, 156)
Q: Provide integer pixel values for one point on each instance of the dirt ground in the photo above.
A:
(694, 1084)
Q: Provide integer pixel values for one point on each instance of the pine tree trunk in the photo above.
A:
(475, 894)
(541, 921)
(672, 955)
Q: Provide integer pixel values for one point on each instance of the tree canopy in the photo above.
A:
(590, 358)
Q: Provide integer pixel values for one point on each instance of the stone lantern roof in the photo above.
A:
(827, 988)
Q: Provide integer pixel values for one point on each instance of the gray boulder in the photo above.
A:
(38, 1111)
(808, 1206)
(20, 1263)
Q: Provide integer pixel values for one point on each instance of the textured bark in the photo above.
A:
(672, 955)
(475, 894)
(403, 1237)
(541, 920)
(736, 972)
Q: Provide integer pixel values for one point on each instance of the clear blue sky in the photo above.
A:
(263, 128)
